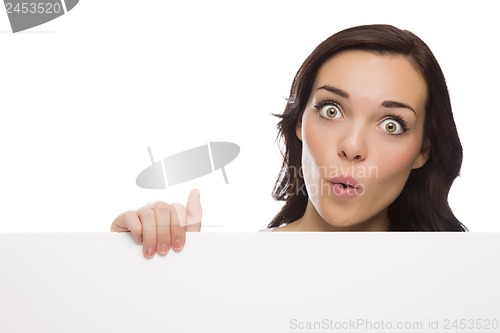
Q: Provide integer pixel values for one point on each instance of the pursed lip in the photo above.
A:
(345, 181)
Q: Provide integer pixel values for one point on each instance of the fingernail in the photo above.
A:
(164, 249)
(177, 244)
(149, 252)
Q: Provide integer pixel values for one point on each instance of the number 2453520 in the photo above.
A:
(33, 8)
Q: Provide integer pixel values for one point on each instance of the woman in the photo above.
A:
(370, 145)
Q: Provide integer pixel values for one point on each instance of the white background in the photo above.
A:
(83, 96)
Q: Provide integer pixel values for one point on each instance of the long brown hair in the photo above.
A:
(423, 203)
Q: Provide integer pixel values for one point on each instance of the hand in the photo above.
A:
(160, 226)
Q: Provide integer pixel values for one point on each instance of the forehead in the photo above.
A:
(369, 75)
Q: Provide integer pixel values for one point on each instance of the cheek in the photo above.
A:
(394, 165)
(318, 149)
(315, 146)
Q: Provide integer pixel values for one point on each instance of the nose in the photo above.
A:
(352, 146)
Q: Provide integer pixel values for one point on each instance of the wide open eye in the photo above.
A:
(330, 110)
(393, 126)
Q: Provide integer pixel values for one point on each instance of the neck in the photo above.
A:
(312, 221)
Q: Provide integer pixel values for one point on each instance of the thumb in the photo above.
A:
(194, 211)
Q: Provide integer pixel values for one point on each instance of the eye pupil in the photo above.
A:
(390, 127)
(331, 112)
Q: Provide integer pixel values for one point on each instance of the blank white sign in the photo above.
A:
(251, 282)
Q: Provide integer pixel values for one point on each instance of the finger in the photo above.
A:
(194, 211)
(162, 214)
(177, 231)
(148, 220)
(128, 222)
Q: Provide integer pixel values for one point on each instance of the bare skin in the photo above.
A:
(160, 226)
(364, 119)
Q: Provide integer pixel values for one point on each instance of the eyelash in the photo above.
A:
(397, 118)
(401, 121)
(324, 103)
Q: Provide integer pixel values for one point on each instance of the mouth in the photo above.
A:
(345, 182)
(345, 186)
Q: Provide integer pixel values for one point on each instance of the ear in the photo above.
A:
(423, 156)
(298, 130)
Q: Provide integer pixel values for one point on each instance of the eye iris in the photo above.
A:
(331, 112)
(390, 127)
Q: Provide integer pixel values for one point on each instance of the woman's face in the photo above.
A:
(362, 134)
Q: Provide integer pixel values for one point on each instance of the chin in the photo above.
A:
(345, 222)
(337, 221)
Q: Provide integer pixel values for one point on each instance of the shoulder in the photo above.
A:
(268, 229)
(282, 227)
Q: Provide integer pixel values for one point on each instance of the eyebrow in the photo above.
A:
(334, 90)
(394, 104)
(386, 104)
